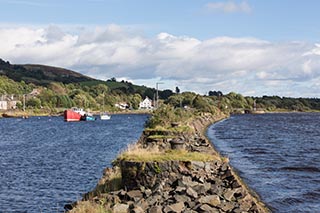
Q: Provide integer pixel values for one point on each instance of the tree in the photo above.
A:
(215, 93)
(34, 103)
(177, 90)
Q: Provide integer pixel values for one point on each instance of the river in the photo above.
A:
(46, 163)
(277, 155)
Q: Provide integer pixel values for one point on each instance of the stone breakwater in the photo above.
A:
(176, 186)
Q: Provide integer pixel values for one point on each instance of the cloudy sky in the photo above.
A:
(251, 47)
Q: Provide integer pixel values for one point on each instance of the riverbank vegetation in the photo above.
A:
(50, 90)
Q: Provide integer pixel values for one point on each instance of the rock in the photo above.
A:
(135, 195)
(181, 198)
(207, 167)
(229, 195)
(198, 164)
(207, 208)
(189, 211)
(155, 209)
(120, 208)
(212, 200)
(154, 200)
(245, 203)
(180, 189)
(224, 167)
(176, 207)
(233, 194)
(207, 186)
(137, 209)
(200, 189)
(227, 206)
(148, 192)
(192, 193)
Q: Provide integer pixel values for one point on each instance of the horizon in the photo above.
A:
(249, 47)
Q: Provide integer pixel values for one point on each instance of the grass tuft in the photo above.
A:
(135, 153)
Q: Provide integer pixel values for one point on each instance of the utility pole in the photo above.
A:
(24, 102)
(157, 94)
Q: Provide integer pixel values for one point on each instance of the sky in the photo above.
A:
(251, 47)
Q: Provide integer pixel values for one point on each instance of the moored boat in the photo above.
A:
(73, 114)
(105, 116)
(88, 117)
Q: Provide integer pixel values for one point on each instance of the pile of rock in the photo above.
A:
(175, 186)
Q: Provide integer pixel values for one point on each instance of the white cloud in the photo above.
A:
(246, 65)
(229, 7)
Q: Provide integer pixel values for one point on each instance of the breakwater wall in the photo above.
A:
(173, 185)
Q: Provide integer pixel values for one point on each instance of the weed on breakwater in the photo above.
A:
(135, 153)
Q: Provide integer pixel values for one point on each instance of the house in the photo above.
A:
(146, 104)
(3, 105)
(8, 102)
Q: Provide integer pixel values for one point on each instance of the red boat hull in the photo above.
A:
(70, 115)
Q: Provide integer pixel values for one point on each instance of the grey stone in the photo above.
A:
(180, 189)
(200, 189)
(154, 200)
(155, 209)
(120, 208)
(227, 206)
(135, 195)
(148, 192)
(224, 167)
(229, 195)
(176, 207)
(207, 208)
(181, 198)
(212, 200)
(198, 164)
(207, 186)
(137, 209)
(192, 193)
(189, 211)
(245, 203)
(207, 167)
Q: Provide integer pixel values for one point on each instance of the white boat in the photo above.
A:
(105, 116)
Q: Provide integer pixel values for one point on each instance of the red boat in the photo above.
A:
(73, 114)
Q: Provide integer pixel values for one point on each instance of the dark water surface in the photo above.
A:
(277, 155)
(46, 163)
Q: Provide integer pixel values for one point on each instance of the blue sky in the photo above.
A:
(252, 47)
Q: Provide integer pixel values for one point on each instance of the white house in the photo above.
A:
(3, 105)
(146, 104)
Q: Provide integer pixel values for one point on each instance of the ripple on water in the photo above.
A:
(47, 163)
(278, 155)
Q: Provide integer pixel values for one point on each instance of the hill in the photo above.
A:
(41, 74)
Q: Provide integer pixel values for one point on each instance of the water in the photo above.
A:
(46, 163)
(277, 155)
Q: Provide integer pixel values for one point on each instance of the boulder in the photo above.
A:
(176, 207)
(155, 209)
(212, 200)
(135, 195)
(192, 193)
(120, 208)
(207, 208)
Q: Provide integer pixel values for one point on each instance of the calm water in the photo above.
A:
(46, 163)
(278, 155)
